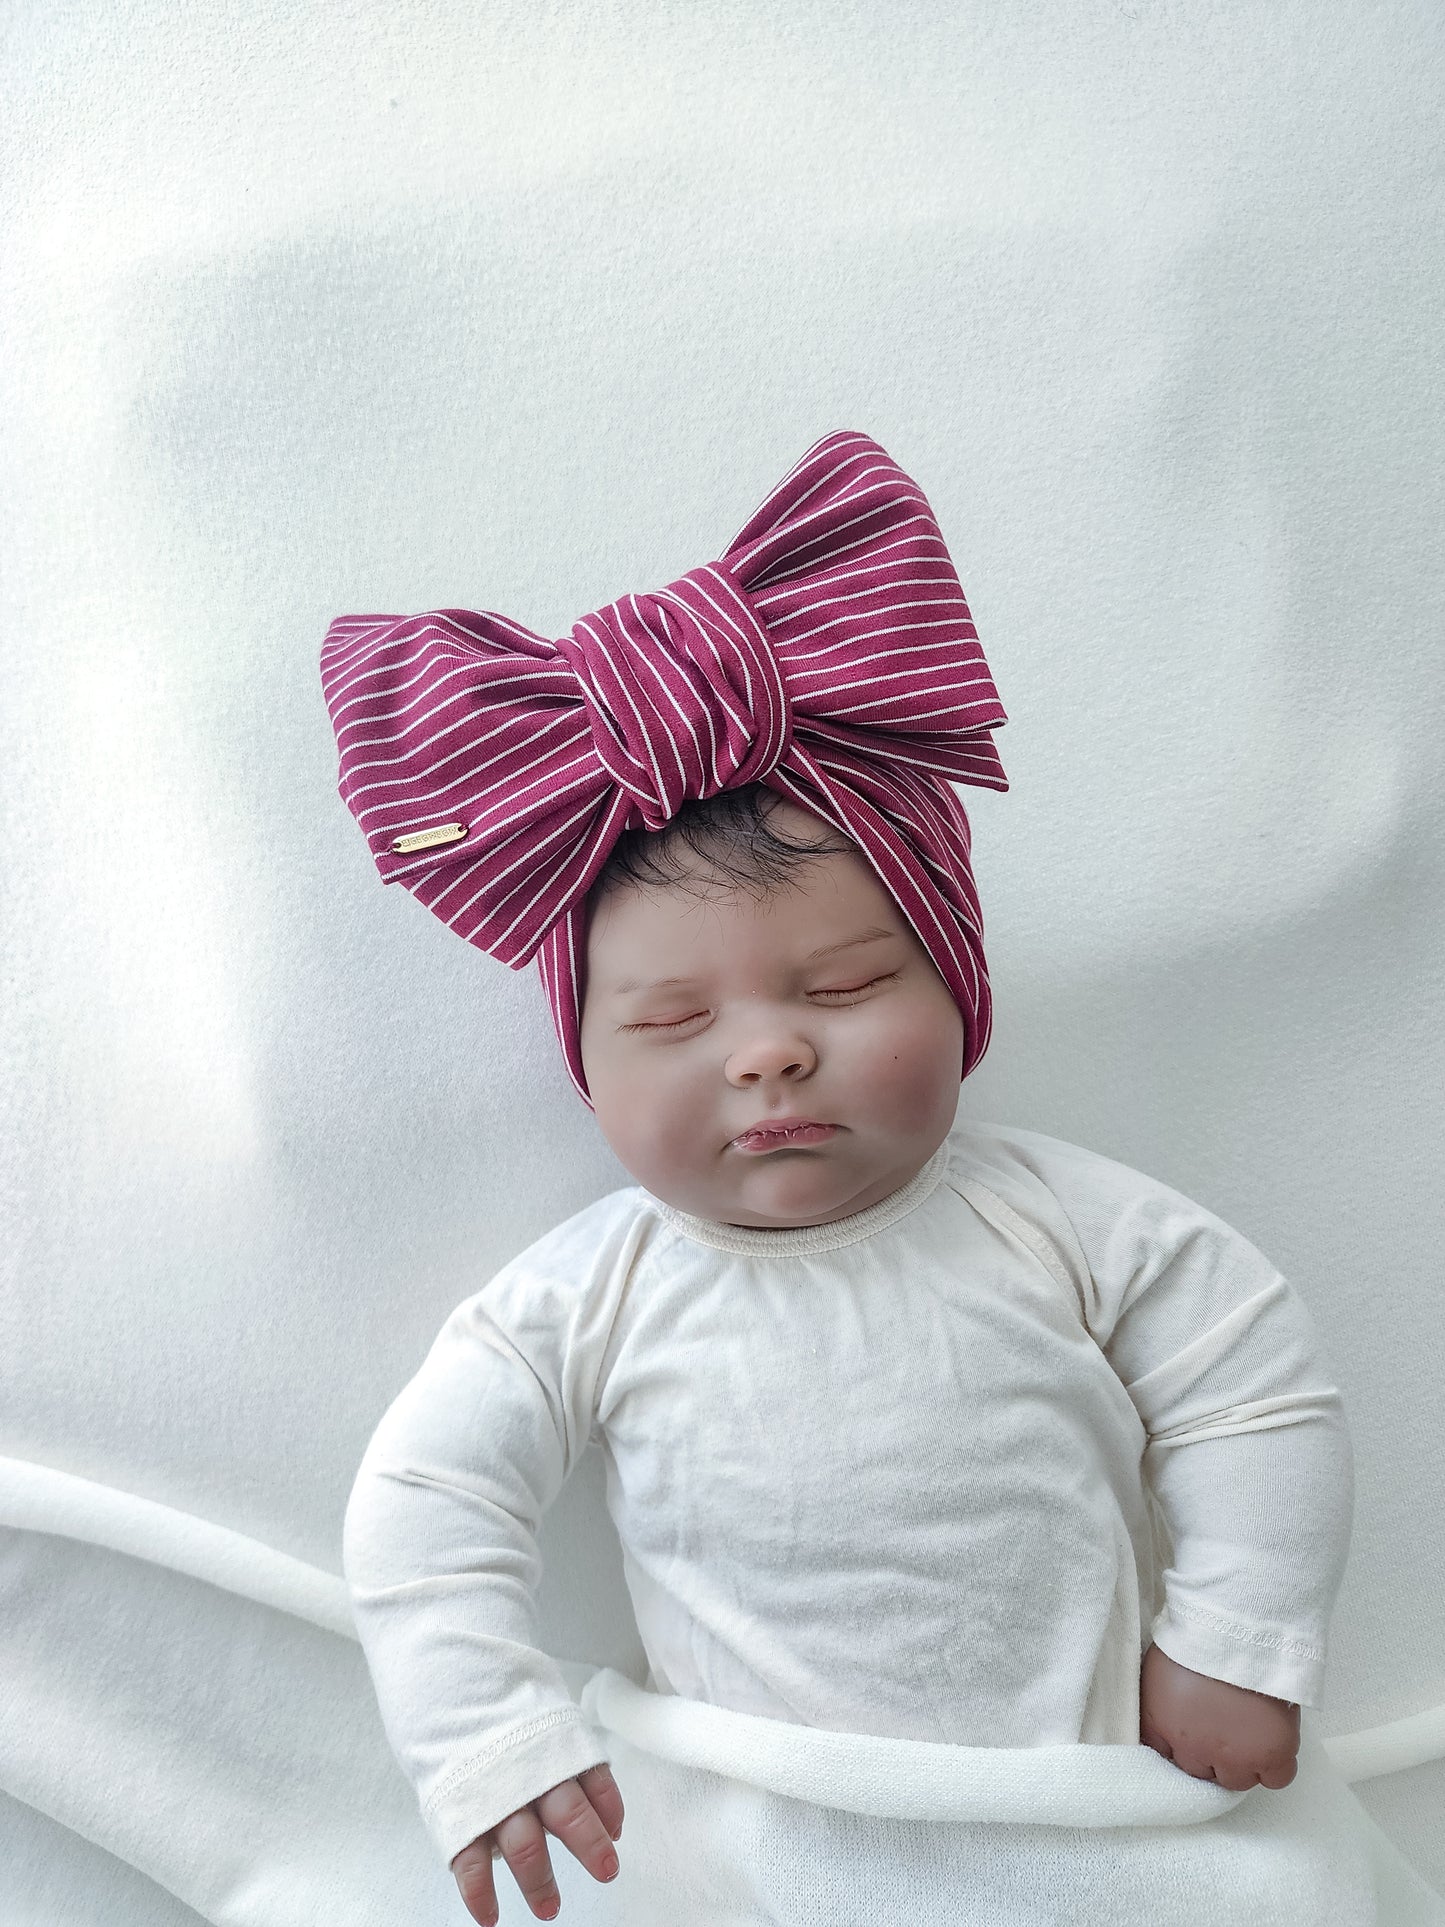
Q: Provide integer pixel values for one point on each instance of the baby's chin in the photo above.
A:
(794, 1220)
(780, 1190)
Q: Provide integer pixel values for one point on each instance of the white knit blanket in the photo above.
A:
(738, 1821)
(193, 1703)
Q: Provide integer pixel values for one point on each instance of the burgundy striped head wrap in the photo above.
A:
(828, 653)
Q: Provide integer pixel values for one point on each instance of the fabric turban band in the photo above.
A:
(828, 653)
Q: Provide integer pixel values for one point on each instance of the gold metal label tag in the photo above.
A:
(424, 839)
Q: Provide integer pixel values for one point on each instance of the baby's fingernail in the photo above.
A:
(608, 1865)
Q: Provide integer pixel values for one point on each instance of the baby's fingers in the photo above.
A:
(568, 1812)
(1278, 1772)
(473, 1869)
(601, 1789)
(523, 1845)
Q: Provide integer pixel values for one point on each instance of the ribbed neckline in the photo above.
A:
(795, 1240)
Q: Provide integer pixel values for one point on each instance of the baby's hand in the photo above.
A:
(582, 1813)
(1214, 1730)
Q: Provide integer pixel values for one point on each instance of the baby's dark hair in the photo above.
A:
(731, 835)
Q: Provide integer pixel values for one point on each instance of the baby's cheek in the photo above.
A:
(912, 1069)
(673, 1108)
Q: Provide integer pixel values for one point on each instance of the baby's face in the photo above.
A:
(868, 1039)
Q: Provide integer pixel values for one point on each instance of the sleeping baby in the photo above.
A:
(912, 1426)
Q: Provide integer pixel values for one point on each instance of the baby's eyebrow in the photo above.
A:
(871, 935)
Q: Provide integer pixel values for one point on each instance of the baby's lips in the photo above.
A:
(761, 1137)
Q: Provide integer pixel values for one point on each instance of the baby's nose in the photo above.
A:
(771, 1047)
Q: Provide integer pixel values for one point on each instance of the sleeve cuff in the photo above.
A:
(473, 1798)
(1262, 1658)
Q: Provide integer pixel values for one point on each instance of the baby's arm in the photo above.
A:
(440, 1549)
(1247, 1450)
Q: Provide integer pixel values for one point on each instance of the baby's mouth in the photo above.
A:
(775, 1139)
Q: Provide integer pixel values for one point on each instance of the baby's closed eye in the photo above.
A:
(849, 990)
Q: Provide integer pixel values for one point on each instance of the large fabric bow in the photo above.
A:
(828, 653)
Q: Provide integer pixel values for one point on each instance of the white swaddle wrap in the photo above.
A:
(738, 1821)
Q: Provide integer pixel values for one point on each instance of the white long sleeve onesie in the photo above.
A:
(939, 1470)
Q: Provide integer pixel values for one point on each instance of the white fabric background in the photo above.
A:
(320, 309)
